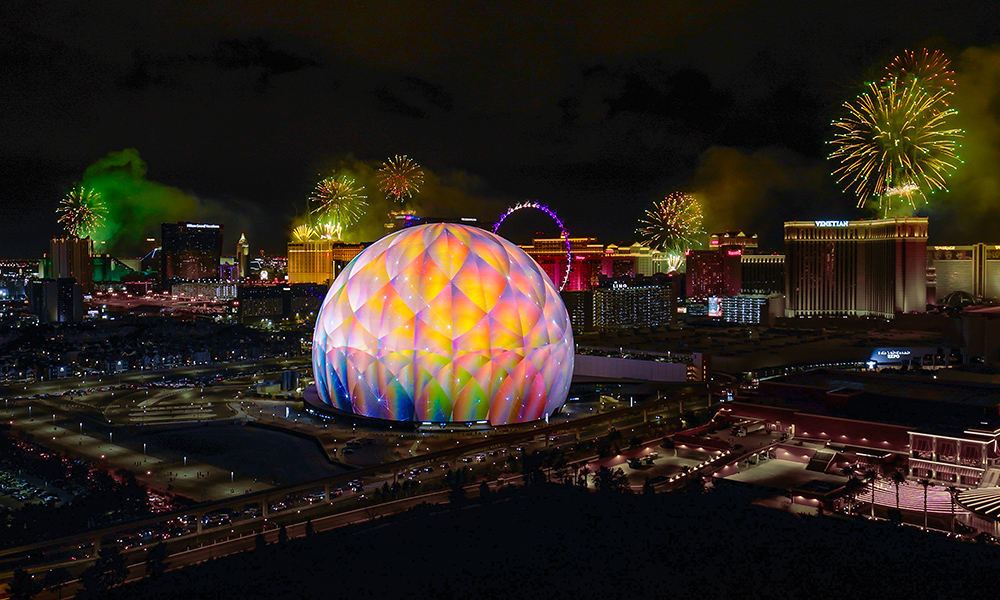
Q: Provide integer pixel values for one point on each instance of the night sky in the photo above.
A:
(234, 110)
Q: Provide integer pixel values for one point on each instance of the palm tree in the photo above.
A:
(897, 479)
(851, 489)
(926, 484)
(870, 476)
(952, 491)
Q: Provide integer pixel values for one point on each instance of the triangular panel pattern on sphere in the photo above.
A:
(444, 322)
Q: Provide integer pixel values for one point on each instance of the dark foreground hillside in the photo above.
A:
(564, 543)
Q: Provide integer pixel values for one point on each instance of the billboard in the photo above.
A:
(715, 306)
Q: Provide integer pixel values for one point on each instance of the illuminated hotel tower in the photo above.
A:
(242, 251)
(72, 257)
(319, 261)
(856, 268)
(191, 251)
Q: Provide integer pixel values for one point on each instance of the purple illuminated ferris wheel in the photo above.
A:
(563, 233)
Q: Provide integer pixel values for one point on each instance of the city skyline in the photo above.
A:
(560, 293)
(580, 109)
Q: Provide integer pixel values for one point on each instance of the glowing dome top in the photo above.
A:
(444, 322)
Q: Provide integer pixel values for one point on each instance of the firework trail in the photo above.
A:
(673, 223)
(338, 203)
(82, 211)
(895, 146)
(401, 177)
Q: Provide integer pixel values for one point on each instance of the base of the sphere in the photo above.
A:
(314, 406)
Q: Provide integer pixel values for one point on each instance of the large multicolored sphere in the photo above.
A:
(444, 323)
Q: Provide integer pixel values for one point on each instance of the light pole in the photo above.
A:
(81, 427)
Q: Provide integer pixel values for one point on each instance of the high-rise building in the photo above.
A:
(856, 268)
(713, 273)
(752, 309)
(42, 297)
(56, 300)
(319, 261)
(190, 251)
(259, 301)
(974, 269)
(71, 257)
(592, 260)
(15, 276)
(627, 303)
(242, 257)
(762, 274)
(588, 261)
(733, 241)
(580, 306)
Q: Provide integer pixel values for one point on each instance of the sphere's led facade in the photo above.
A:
(443, 322)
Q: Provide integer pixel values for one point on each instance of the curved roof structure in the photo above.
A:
(984, 502)
(444, 323)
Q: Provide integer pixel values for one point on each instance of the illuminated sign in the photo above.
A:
(884, 355)
(202, 226)
(831, 223)
(714, 307)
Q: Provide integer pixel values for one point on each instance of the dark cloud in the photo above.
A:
(390, 102)
(255, 55)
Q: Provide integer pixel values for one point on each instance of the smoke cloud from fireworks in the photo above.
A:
(448, 195)
(136, 206)
(755, 192)
(969, 211)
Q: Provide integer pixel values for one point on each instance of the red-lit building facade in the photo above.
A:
(944, 441)
(592, 260)
(713, 273)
